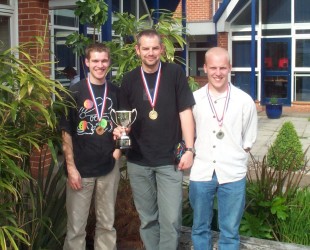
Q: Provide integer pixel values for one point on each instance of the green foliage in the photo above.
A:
(41, 209)
(28, 120)
(273, 100)
(193, 84)
(268, 195)
(286, 149)
(296, 228)
(125, 27)
(94, 12)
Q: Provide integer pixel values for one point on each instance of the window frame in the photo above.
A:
(11, 11)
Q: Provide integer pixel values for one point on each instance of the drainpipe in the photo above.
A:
(106, 29)
(253, 54)
(156, 7)
(184, 52)
(83, 69)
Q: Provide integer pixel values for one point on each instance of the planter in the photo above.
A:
(273, 111)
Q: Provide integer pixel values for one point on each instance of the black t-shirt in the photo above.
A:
(92, 152)
(153, 141)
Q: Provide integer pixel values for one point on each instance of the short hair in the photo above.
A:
(217, 50)
(149, 33)
(96, 47)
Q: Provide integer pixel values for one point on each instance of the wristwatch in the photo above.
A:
(191, 150)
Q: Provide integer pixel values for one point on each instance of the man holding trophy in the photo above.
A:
(90, 154)
(160, 94)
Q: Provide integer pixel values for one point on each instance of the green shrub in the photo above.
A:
(269, 194)
(286, 150)
(296, 228)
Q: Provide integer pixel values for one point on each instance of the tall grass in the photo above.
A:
(296, 228)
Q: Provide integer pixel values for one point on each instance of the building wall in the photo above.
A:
(33, 16)
(222, 40)
(33, 21)
(198, 10)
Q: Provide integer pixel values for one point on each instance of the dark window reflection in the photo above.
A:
(302, 13)
(242, 80)
(302, 53)
(275, 86)
(275, 56)
(241, 54)
(276, 11)
(303, 88)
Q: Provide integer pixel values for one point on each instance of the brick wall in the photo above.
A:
(222, 40)
(33, 21)
(196, 10)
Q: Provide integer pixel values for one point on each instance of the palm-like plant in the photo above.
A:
(28, 120)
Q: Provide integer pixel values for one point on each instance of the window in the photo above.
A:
(302, 13)
(302, 53)
(241, 54)
(242, 80)
(65, 17)
(244, 18)
(196, 56)
(8, 24)
(276, 11)
(302, 87)
(5, 40)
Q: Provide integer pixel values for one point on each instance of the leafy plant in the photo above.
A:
(125, 27)
(41, 211)
(28, 120)
(269, 192)
(273, 100)
(286, 149)
(296, 228)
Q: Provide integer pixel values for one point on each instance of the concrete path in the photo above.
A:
(269, 128)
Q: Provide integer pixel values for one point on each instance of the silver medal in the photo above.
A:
(220, 135)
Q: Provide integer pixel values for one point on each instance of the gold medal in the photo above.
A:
(153, 115)
(100, 130)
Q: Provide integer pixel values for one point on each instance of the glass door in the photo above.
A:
(276, 70)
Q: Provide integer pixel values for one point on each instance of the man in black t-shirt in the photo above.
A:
(90, 156)
(163, 100)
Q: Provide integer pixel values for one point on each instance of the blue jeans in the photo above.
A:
(157, 193)
(231, 201)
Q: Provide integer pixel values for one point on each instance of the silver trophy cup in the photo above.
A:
(124, 119)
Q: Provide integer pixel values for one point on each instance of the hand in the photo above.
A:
(118, 131)
(117, 154)
(186, 161)
(74, 179)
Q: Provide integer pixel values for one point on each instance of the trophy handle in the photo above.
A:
(133, 111)
(111, 112)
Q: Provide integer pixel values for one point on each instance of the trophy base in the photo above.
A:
(123, 143)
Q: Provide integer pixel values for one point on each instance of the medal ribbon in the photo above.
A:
(146, 87)
(220, 121)
(90, 89)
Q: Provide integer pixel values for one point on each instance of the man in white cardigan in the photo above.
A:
(226, 128)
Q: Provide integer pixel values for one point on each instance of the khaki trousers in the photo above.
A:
(78, 204)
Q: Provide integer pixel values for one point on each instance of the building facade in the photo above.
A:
(269, 41)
